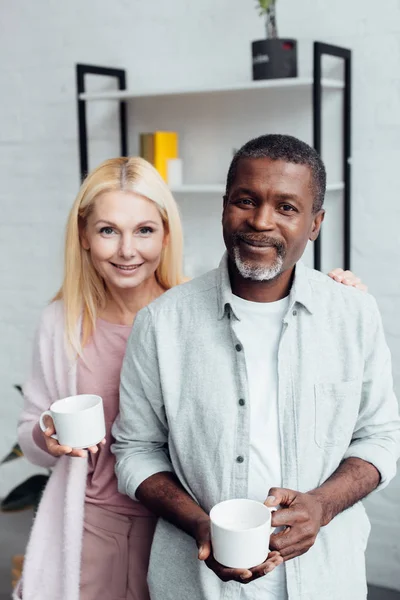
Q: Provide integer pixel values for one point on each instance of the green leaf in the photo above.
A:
(16, 452)
(264, 5)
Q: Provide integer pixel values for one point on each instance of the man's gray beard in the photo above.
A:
(257, 273)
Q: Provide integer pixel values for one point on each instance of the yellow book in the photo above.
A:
(158, 148)
(165, 147)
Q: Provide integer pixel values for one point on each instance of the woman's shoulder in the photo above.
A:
(52, 317)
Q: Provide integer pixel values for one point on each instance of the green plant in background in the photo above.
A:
(267, 9)
(14, 453)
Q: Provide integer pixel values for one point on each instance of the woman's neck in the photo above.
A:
(123, 305)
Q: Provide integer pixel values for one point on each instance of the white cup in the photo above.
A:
(78, 421)
(240, 532)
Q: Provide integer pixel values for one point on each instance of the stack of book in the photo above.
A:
(158, 148)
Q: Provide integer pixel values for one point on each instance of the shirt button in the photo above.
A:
(294, 313)
(238, 347)
(242, 402)
(240, 459)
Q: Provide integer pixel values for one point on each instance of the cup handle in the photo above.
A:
(273, 509)
(43, 426)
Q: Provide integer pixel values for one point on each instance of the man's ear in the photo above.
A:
(83, 234)
(316, 225)
(225, 199)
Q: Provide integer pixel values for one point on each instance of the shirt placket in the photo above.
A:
(288, 429)
(240, 458)
(240, 477)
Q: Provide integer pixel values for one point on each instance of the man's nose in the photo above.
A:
(263, 218)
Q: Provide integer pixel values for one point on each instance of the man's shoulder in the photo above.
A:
(196, 292)
(326, 291)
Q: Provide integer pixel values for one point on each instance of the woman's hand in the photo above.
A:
(348, 278)
(55, 449)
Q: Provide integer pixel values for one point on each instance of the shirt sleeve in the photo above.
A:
(376, 438)
(141, 428)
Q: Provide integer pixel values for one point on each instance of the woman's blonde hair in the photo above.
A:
(83, 290)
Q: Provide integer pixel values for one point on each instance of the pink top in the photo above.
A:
(99, 373)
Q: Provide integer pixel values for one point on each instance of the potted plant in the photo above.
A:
(273, 57)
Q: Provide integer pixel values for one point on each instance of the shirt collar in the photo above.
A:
(300, 293)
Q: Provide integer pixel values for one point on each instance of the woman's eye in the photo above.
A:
(107, 230)
(145, 230)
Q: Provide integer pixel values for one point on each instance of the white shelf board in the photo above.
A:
(290, 82)
(194, 188)
(335, 187)
(219, 188)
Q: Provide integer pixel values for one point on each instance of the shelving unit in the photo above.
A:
(219, 188)
(266, 84)
(317, 84)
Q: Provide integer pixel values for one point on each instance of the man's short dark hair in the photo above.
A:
(288, 149)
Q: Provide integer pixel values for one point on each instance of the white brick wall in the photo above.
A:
(171, 44)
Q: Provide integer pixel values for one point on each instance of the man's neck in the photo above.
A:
(260, 291)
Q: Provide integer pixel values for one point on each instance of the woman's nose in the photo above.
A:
(127, 247)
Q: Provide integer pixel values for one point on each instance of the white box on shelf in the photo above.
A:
(174, 172)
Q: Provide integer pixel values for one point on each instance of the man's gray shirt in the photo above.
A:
(183, 383)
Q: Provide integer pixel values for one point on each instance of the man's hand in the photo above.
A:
(164, 495)
(202, 536)
(302, 517)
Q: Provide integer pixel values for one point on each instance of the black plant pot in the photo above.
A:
(274, 59)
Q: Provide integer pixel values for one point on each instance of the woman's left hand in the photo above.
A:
(348, 278)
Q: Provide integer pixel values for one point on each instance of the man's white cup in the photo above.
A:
(240, 532)
(78, 421)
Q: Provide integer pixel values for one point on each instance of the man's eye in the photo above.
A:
(107, 230)
(246, 201)
(288, 208)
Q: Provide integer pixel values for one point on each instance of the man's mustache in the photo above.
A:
(260, 240)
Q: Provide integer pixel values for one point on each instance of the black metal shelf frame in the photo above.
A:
(120, 75)
(320, 50)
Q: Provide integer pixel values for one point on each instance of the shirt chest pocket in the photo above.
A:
(336, 411)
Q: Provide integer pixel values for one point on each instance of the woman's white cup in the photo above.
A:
(240, 532)
(78, 420)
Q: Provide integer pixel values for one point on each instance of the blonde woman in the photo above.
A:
(123, 249)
